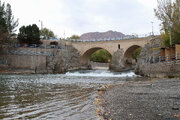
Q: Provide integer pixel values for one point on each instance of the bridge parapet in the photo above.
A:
(112, 39)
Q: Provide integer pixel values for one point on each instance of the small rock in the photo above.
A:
(102, 88)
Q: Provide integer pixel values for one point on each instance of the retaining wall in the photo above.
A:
(163, 69)
(38, 60)
(32, 59)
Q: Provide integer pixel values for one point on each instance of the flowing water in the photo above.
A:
(67, 96)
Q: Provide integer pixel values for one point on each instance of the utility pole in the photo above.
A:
(152, 28)
(41, 24)
(64, 35)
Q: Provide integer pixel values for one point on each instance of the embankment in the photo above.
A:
(38, 60)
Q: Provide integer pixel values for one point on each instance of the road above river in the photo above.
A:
(157, 99)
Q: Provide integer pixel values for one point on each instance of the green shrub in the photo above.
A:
(136, 53)
(101, 55)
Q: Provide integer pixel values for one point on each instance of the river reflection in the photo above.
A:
(62, 97)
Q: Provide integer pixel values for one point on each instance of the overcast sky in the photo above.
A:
(82, 16)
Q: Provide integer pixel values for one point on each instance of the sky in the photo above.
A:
(69, 17)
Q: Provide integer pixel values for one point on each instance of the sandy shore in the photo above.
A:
(141, 100)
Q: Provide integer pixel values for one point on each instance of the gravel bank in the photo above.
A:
(148, 100)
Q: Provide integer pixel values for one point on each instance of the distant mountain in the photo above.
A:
(101, 35)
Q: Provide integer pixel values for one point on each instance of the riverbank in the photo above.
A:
(155, 99)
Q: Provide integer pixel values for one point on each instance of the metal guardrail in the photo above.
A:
(29, 52)
(40, 46)
(168, 58)
(111, 39)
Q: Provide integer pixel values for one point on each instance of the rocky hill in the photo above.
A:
(101, 35)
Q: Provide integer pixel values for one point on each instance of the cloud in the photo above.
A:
(80, 16)
(148, 3)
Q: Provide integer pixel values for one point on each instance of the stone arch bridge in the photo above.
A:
(87, 48)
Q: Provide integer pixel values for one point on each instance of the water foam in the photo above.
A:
(101, 73)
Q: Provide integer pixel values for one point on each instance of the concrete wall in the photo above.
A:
(38, 60)
(25, 62)
(32, 59)
(161, 69)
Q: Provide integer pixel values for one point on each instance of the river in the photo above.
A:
(67, 96)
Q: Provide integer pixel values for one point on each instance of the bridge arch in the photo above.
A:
(128, 54)
(84, 59)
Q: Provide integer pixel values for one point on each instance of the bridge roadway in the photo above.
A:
(86, 49)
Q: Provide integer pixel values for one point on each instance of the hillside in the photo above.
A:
(101, 35)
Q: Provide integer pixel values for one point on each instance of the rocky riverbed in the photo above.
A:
(148, 99)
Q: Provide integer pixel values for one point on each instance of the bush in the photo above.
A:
(101, 55)
(136, 53)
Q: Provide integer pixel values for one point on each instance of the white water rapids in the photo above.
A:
(101, 73)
